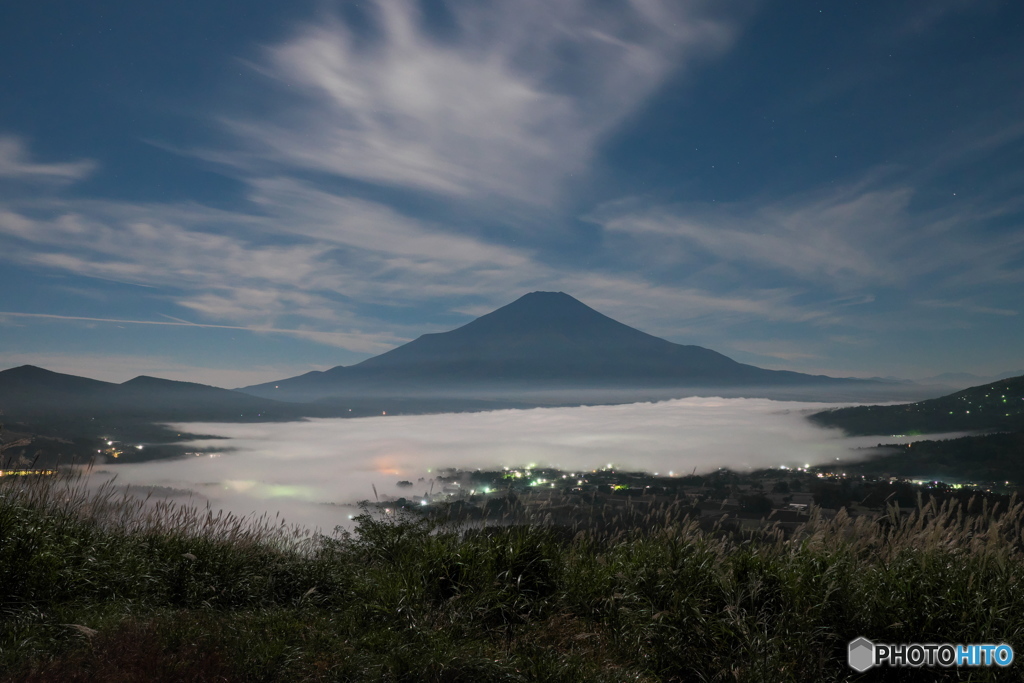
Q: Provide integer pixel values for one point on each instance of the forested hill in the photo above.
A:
(998, 406)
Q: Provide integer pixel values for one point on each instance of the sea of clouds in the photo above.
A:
(312, 472)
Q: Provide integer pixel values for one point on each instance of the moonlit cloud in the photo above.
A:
(851, 241)
(639, 300)
(509, 102)
(969, 306)
(351, 341)
(281, 267)
(289, 265)
(310, 470)
(16, 164)
(391, 254)
(221, 265)
(924, 17)
(835, 239)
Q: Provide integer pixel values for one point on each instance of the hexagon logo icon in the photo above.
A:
(861, 655)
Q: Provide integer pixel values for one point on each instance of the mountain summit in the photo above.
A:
(543, 340)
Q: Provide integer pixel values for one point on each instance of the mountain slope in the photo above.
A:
(996, 406)
(29, 393)
(541, 340)
(28, 390)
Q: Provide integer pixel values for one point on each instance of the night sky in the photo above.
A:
(231, 191)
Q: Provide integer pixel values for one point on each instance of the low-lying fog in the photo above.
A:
(313, 471)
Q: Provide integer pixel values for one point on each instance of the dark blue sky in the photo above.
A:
(232, 192)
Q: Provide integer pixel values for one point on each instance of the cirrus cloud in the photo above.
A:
(16, 164)
(508, 103)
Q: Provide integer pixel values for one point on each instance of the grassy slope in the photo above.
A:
(93, 588)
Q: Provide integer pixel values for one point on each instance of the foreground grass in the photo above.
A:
(96, 587)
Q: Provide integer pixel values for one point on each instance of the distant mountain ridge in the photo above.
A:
(29, 392)
(967, 380)
(541, 340)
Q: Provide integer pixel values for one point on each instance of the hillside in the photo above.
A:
(998, 406)
(61, 414)
(28, 392)
(980, 459)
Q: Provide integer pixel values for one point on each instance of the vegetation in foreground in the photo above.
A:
(99, 587)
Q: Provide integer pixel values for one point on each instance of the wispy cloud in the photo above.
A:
(300, 255)
(835, 238)
(509, 102)
(295, 268)
(969, 307)
(926, 16)
(847, 242)
(15, 163)
(373, 228)
(674, 309)
(355, 342)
